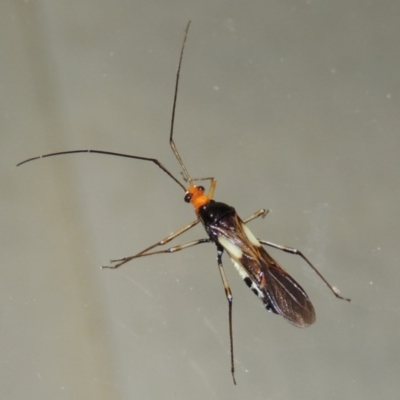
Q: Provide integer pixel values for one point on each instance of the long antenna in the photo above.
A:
(171, 140)
(154, 160)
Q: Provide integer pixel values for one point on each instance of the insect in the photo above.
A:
(277, 290)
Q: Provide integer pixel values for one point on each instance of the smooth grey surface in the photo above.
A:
(293, 106)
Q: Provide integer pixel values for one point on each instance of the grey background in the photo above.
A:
(292, 105)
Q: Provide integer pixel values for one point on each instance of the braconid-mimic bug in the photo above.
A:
(278, 291)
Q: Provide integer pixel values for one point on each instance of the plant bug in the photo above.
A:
(277, 290)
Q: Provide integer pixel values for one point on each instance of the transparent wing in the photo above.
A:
(276, 288)
(288, 298)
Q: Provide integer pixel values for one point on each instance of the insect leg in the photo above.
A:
(260, 213)
(167, 239)
(173, 249)
(299, 253)
(228, 294)
(213, 184)
(211, 191)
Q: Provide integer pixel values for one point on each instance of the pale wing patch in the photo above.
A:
(233, 250)
(235, 254)
(253, 240)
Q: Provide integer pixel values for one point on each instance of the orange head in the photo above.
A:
(195, 195)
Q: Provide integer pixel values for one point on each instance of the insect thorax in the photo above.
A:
(215, 214)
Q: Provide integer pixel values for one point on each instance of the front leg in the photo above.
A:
(122, 261)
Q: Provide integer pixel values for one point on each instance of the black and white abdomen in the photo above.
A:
(228, 231)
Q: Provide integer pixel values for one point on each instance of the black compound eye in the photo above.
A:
(201, 188)
(188, 197)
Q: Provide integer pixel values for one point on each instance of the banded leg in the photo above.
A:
(299, 253)
(228, 294)
(260, 213)
(173, 249)
(122, 261)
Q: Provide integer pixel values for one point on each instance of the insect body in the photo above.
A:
(278, 291)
